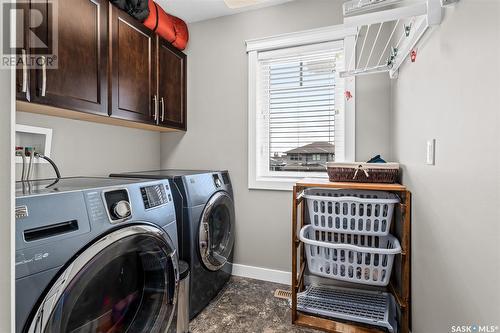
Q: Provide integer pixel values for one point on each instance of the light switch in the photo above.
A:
(431, 152)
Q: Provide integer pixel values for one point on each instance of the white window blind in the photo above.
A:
(298, 117)
(301, 102)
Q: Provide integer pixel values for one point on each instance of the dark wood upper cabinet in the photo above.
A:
(22, 70)
(80, 81)
(110, 67)
(171, 85)
(133, 74)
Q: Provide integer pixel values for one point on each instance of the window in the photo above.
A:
(317, 157)
(297, 110)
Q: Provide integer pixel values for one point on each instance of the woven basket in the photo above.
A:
(363, 172)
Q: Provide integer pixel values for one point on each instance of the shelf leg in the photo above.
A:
(294, 256)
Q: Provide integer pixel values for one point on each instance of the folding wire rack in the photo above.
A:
(402, 28)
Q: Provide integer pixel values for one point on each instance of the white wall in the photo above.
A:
(6, 202)
(217, 120)
(452, 94)
(82, 148)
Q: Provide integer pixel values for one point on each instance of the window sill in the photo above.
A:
(277, 183)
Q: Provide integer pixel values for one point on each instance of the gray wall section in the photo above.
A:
(218, 127)
(373, 117)
(6, 114)
(81, 148)
(451, 94)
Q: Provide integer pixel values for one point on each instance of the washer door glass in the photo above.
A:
(128, 286)
(216, 234)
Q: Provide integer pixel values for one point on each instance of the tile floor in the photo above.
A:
(246, 306)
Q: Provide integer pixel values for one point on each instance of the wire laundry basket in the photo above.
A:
(351, 211)
(352, 258)
(362, 306)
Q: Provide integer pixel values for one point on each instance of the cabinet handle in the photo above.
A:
(162, 109)
(25, 71)
(155, 106)
(44, 76)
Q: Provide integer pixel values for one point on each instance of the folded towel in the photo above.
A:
(376, 159)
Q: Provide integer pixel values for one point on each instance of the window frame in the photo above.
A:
(284, 180)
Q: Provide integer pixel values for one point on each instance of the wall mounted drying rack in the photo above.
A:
(403, 26)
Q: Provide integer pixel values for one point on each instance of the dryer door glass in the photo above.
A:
(128, 286)
(216, 233)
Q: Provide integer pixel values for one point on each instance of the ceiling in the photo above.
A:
(199, 10)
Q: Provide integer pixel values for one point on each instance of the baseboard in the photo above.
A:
(264, 274)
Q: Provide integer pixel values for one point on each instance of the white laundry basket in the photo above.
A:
(353, 258)
(363, 306)
(351, 211)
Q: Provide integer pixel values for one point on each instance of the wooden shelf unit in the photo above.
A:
(401, 228)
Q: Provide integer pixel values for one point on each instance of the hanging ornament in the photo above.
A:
(348, 95)
(413, 55)
(392, 56)
(407, 30)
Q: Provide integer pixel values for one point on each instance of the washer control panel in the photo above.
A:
(154, 196)
(118, 205)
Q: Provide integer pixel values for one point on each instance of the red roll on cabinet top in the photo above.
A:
(171, 28)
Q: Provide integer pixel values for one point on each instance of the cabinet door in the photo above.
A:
(80, 81)
(171, 85)
(133, 74)
(22, 70)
